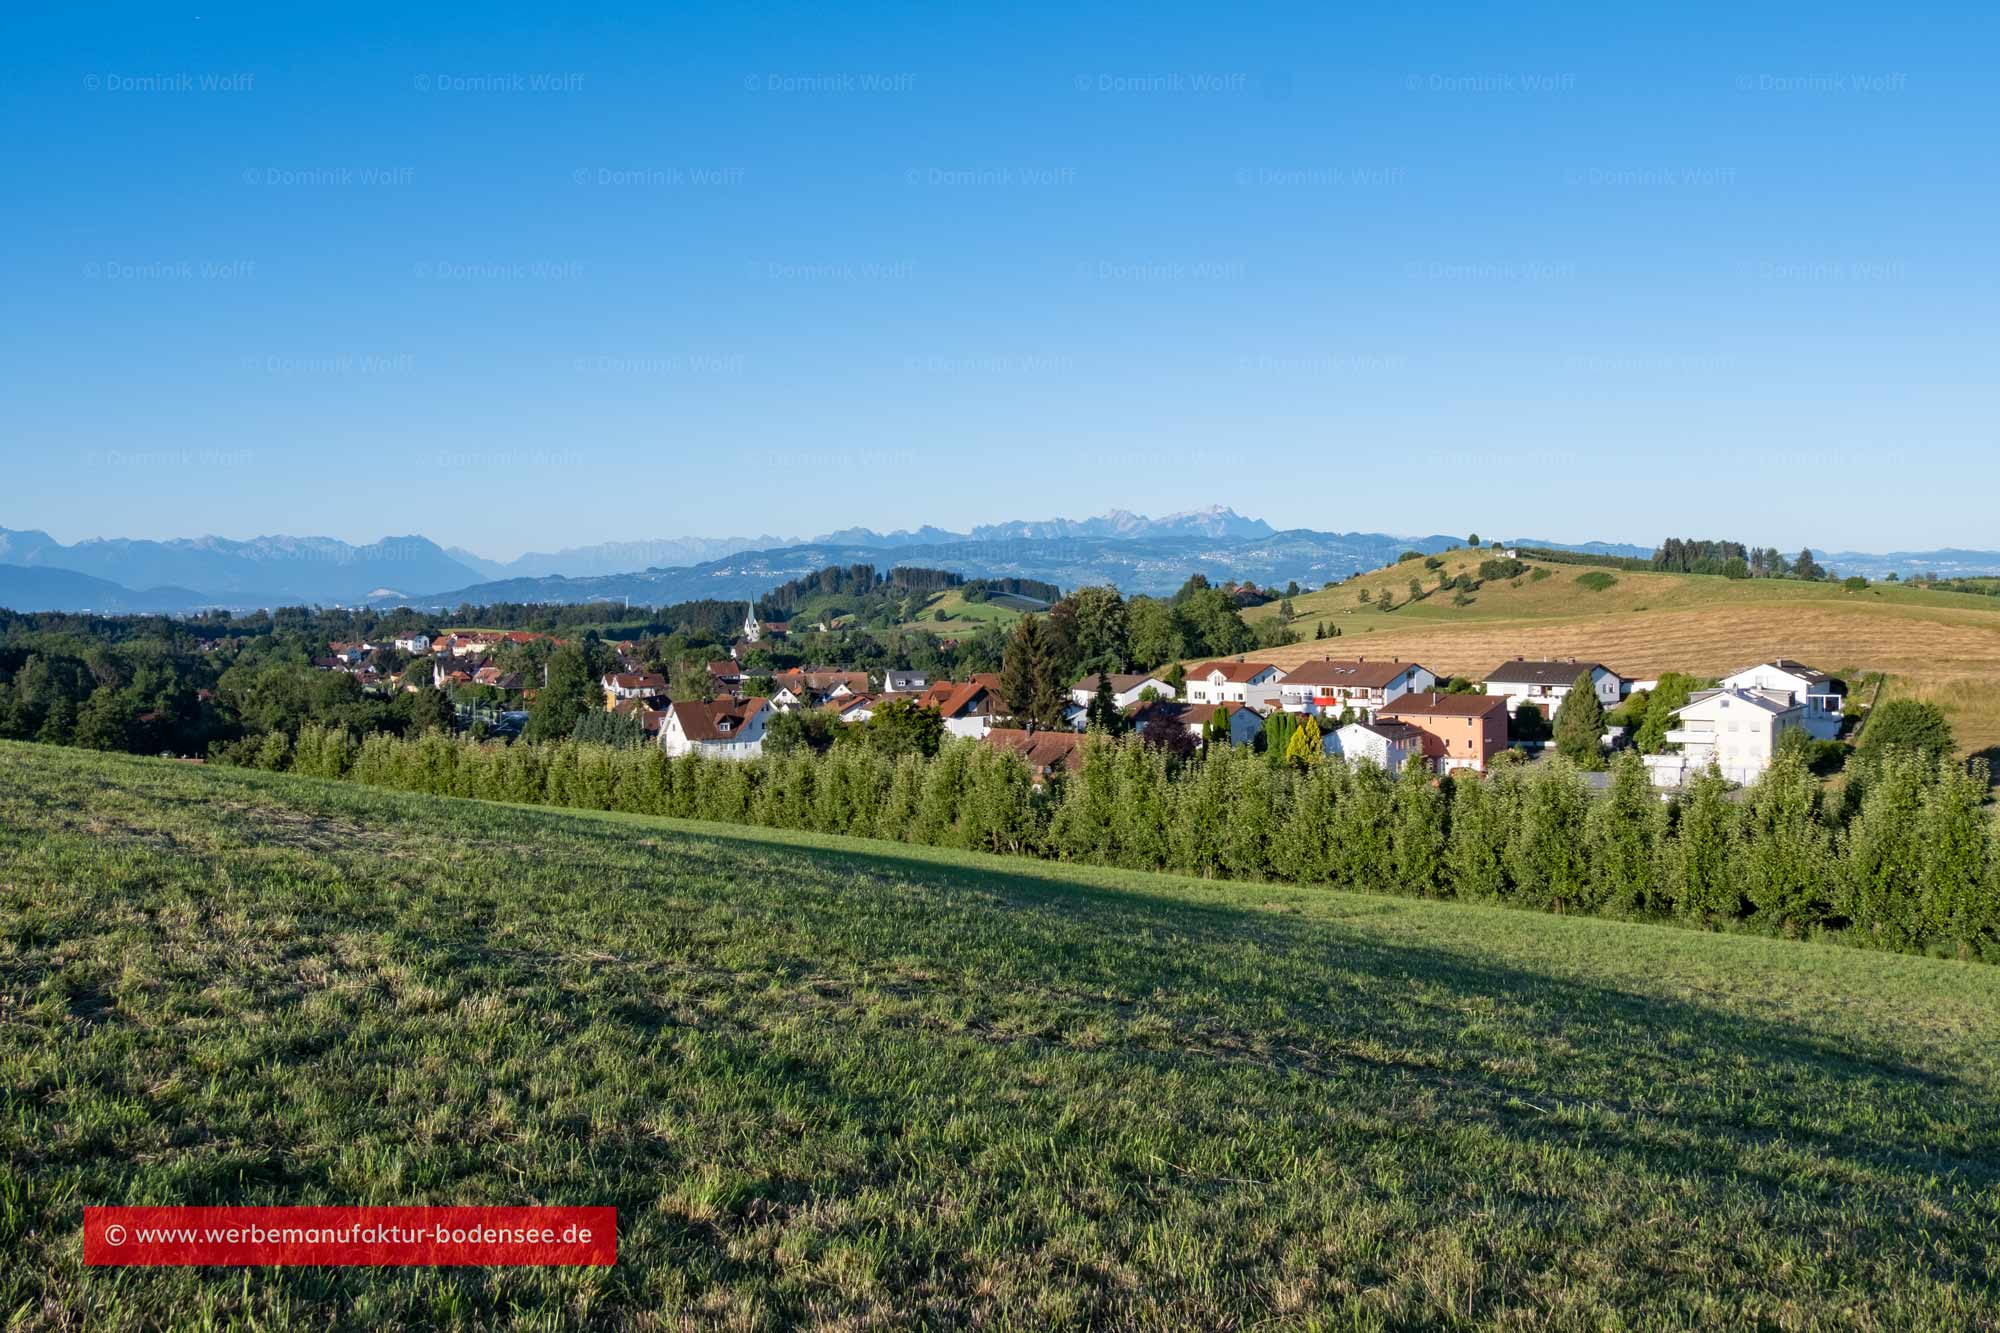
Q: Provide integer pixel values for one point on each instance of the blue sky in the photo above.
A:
(524, 277)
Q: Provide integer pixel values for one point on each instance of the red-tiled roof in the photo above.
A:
(1238, 673)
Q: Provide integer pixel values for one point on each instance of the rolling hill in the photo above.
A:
(1938, 645)
(839, 1083)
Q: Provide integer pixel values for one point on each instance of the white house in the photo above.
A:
(414, 643)
(632, 685)
(851, 707)
(1547, 683)
(1819, 694)
(1125, 689)
(904, 682)
(725, 729)
(1737, 731)
(1388, 744)
(1236, 682)
(1328, 687)
(970, 707)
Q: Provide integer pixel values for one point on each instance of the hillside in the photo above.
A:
(1939, 645)
(855, 1084)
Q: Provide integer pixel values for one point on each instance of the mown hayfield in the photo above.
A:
(839, 1083)
(1939, 645)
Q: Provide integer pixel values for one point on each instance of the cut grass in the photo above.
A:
(1935, 644)
(836, 1082)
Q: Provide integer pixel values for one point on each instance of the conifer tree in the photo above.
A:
(1546, 859)
(1704, 881)
(1420, 832)
(1579, 725)
(1787, 850)
(1625, 829)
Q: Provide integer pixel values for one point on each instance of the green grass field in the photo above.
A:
(960, 615)
(847, 1084)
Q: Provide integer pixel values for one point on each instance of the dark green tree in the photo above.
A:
(1579, 726)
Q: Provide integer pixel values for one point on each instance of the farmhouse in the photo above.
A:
(1821, 695)
(1126, 689)
(1459, 730)
(1734, 730)
(1330, 686)
(1546, 683)
(725, 729)
(1234, 682)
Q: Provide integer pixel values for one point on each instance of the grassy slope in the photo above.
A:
(831, 1081)
(1938, 645)
(961, 616)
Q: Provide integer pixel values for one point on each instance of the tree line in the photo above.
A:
(1904, 858)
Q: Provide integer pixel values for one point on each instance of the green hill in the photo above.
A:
(848, 1083)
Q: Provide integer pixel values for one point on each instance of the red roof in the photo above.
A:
(1239, 673)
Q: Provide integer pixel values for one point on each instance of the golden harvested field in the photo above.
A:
(1944, 647)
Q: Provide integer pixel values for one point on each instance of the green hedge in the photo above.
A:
(1905, 859)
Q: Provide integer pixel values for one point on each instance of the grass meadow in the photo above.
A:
(846, 1084)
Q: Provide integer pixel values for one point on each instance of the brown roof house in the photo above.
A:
(1328, 686)
(724, 729)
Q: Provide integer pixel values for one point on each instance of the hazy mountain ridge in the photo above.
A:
(1137, 553)
(269, 570)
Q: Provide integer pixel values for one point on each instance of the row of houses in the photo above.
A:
(1388, 711)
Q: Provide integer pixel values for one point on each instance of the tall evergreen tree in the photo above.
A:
(1579, 725)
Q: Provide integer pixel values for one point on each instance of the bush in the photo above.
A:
(1596, 580)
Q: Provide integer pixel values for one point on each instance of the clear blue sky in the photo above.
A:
(517, 277)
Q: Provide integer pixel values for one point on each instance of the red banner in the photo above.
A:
(533, 1237)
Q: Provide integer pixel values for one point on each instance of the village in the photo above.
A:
(1386, 711)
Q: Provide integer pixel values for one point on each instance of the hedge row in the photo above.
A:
(1905, 858)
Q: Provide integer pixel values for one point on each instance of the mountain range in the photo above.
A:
(1137, 553)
